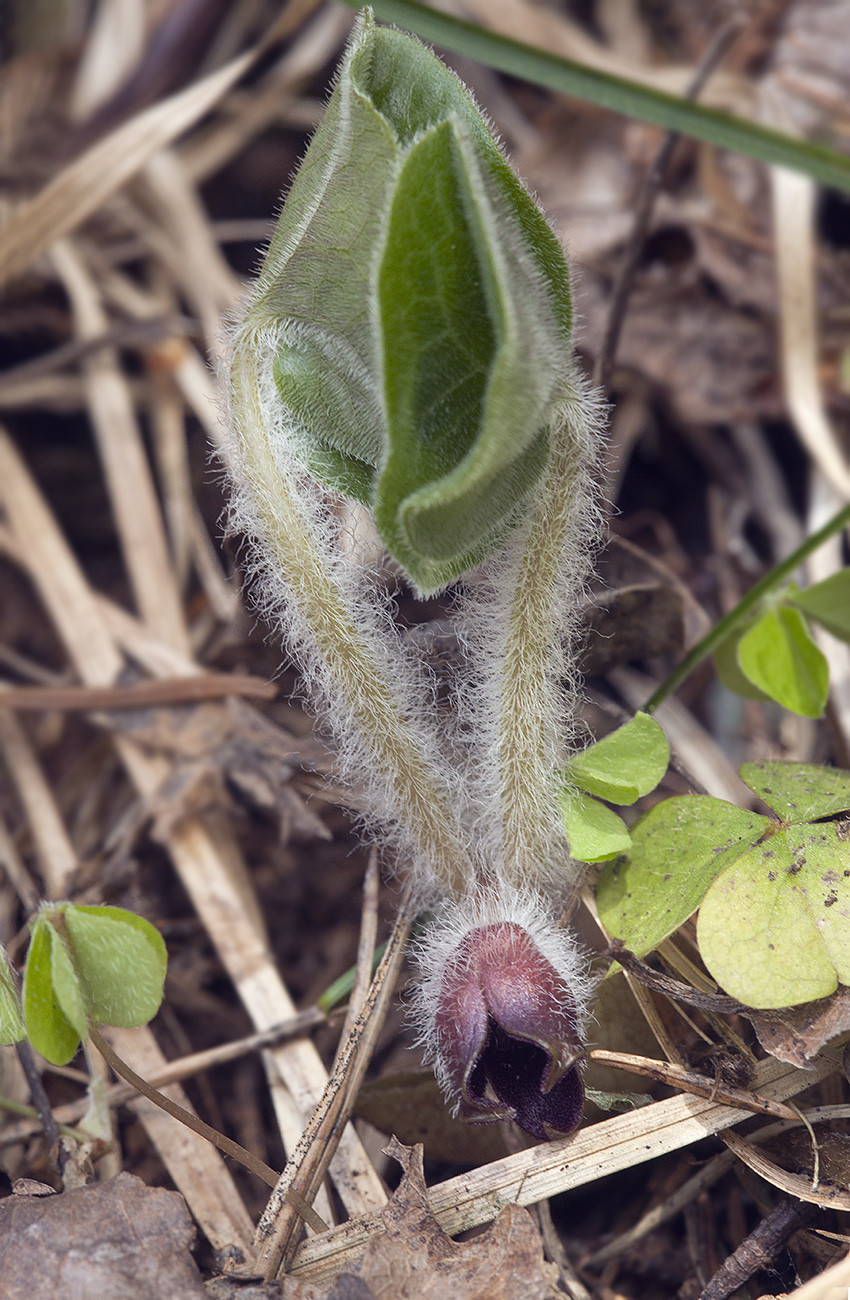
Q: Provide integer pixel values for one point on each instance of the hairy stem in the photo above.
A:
(352, 672)
(531, 706)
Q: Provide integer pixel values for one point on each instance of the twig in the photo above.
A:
(677, 1076)
(672, 988)
(759, 1249)
(138, 695)
(225, 1144)
(365, 949)
(39, 1098)
(646, 202)
(276, 1232)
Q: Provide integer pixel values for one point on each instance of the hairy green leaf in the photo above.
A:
(48, 1027)
(624, 765)
(678, 848)
(774, 928)
(120, 960)
(11, 1021)
(419, 310)
(595, 833)
(616, 93)
(829, 603)
(779, 656)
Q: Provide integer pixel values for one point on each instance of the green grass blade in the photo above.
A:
(616, 93)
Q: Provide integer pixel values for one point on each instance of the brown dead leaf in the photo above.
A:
(413, 1257)
(117, 1240)
(796, 1034)
(216, 742)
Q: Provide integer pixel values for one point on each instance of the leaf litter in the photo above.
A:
(241, 798)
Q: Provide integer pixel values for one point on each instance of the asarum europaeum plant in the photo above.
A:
(406, 350)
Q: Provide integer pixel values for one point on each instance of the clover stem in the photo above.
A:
(225, 1144)
(739, 615)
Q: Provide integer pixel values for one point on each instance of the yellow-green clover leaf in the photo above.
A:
(53, 1004)
(11, 1021)
(595, 833)
(677, 850)
(89, 964)
(777, 654)
(621, 768)
(624, 765)
(774, 927)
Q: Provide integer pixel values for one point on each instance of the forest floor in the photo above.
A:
(158, 755)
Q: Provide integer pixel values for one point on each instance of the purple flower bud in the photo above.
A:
(507, 1033)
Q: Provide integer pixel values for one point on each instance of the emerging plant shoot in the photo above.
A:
(407, 347)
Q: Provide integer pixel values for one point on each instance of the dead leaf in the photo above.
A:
(117, 1240)
(413, 1257)
(224, 741)
(796, 1034)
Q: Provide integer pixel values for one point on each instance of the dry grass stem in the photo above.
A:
(613, 1144)
(85, 184)
(276, 1238)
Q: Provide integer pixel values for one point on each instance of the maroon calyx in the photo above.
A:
(507, 1033)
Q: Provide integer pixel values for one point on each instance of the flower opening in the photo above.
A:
(508, 1033)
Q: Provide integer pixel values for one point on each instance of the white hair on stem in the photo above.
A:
(518, 621)
(371, 692)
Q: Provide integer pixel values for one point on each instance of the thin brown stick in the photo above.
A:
(670, 987)
(365, 948)
(276, 1236)
(224, 1144)
(651, 188)
(676, 1076)
(138, 695)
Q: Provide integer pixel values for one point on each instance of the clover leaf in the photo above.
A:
(89, 965)
(621, 768)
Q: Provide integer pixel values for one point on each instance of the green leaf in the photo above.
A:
(774, 929)
(799, 792)
(48, 1028)
(11, 1021)
(120, 959)
(625, 765)
(780, 657)
(417, 306)
(829, 603)
(678, 848)
(729, 671)
(595, 833)
(617, 93)
(466, 414)
(67, 987)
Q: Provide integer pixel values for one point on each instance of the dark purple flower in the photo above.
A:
(508, 1033)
